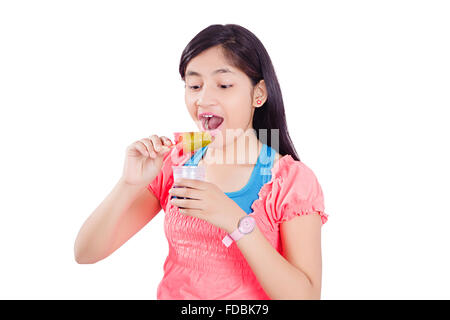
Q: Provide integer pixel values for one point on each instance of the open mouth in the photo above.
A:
(211, 121)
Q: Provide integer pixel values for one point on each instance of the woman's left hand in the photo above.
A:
(207, 202)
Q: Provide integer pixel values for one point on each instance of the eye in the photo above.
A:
(223, 86)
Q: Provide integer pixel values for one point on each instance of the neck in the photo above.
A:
(243, 150)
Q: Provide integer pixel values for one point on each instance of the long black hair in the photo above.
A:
(246, 52)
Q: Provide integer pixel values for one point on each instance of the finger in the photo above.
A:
(156, 141)
(148, 146)
(166, 141)
(191, 183)
(193, 213)
(141, 148)
(186, 203)
(186, 193)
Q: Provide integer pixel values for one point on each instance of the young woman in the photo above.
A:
(252, 230)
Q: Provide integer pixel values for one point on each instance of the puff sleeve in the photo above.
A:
(163, 181)
(156, 185)
(294, 192)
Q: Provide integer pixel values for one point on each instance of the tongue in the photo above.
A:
(214, 122)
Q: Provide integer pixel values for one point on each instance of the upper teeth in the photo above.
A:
(208, 115)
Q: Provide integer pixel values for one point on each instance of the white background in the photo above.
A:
(366, 91)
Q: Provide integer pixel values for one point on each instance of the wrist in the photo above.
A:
(245, 225)
(234, 221)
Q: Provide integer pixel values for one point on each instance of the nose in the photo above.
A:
(205, 97)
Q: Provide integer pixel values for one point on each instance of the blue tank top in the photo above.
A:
(261, 174)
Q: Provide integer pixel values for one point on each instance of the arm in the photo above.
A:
(125, 211)
(297, 273)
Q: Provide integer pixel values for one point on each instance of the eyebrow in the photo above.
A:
(221, 70)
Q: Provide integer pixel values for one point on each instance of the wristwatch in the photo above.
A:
(245, 225)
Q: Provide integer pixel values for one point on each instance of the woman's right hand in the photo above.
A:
(144, 159)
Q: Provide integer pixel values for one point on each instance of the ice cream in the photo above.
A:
(192, 141)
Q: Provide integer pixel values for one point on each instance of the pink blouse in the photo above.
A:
(198, 265)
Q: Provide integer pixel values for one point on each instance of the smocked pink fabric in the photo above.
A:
(198, 265)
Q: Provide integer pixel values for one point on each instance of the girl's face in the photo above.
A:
(214, 86)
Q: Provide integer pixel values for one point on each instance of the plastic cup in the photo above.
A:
(187, 172)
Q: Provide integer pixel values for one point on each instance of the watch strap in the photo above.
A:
(234, 236)
(227, 240)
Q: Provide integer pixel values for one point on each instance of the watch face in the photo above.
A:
(246, 224)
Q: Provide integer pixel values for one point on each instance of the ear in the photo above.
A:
(259, 93)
